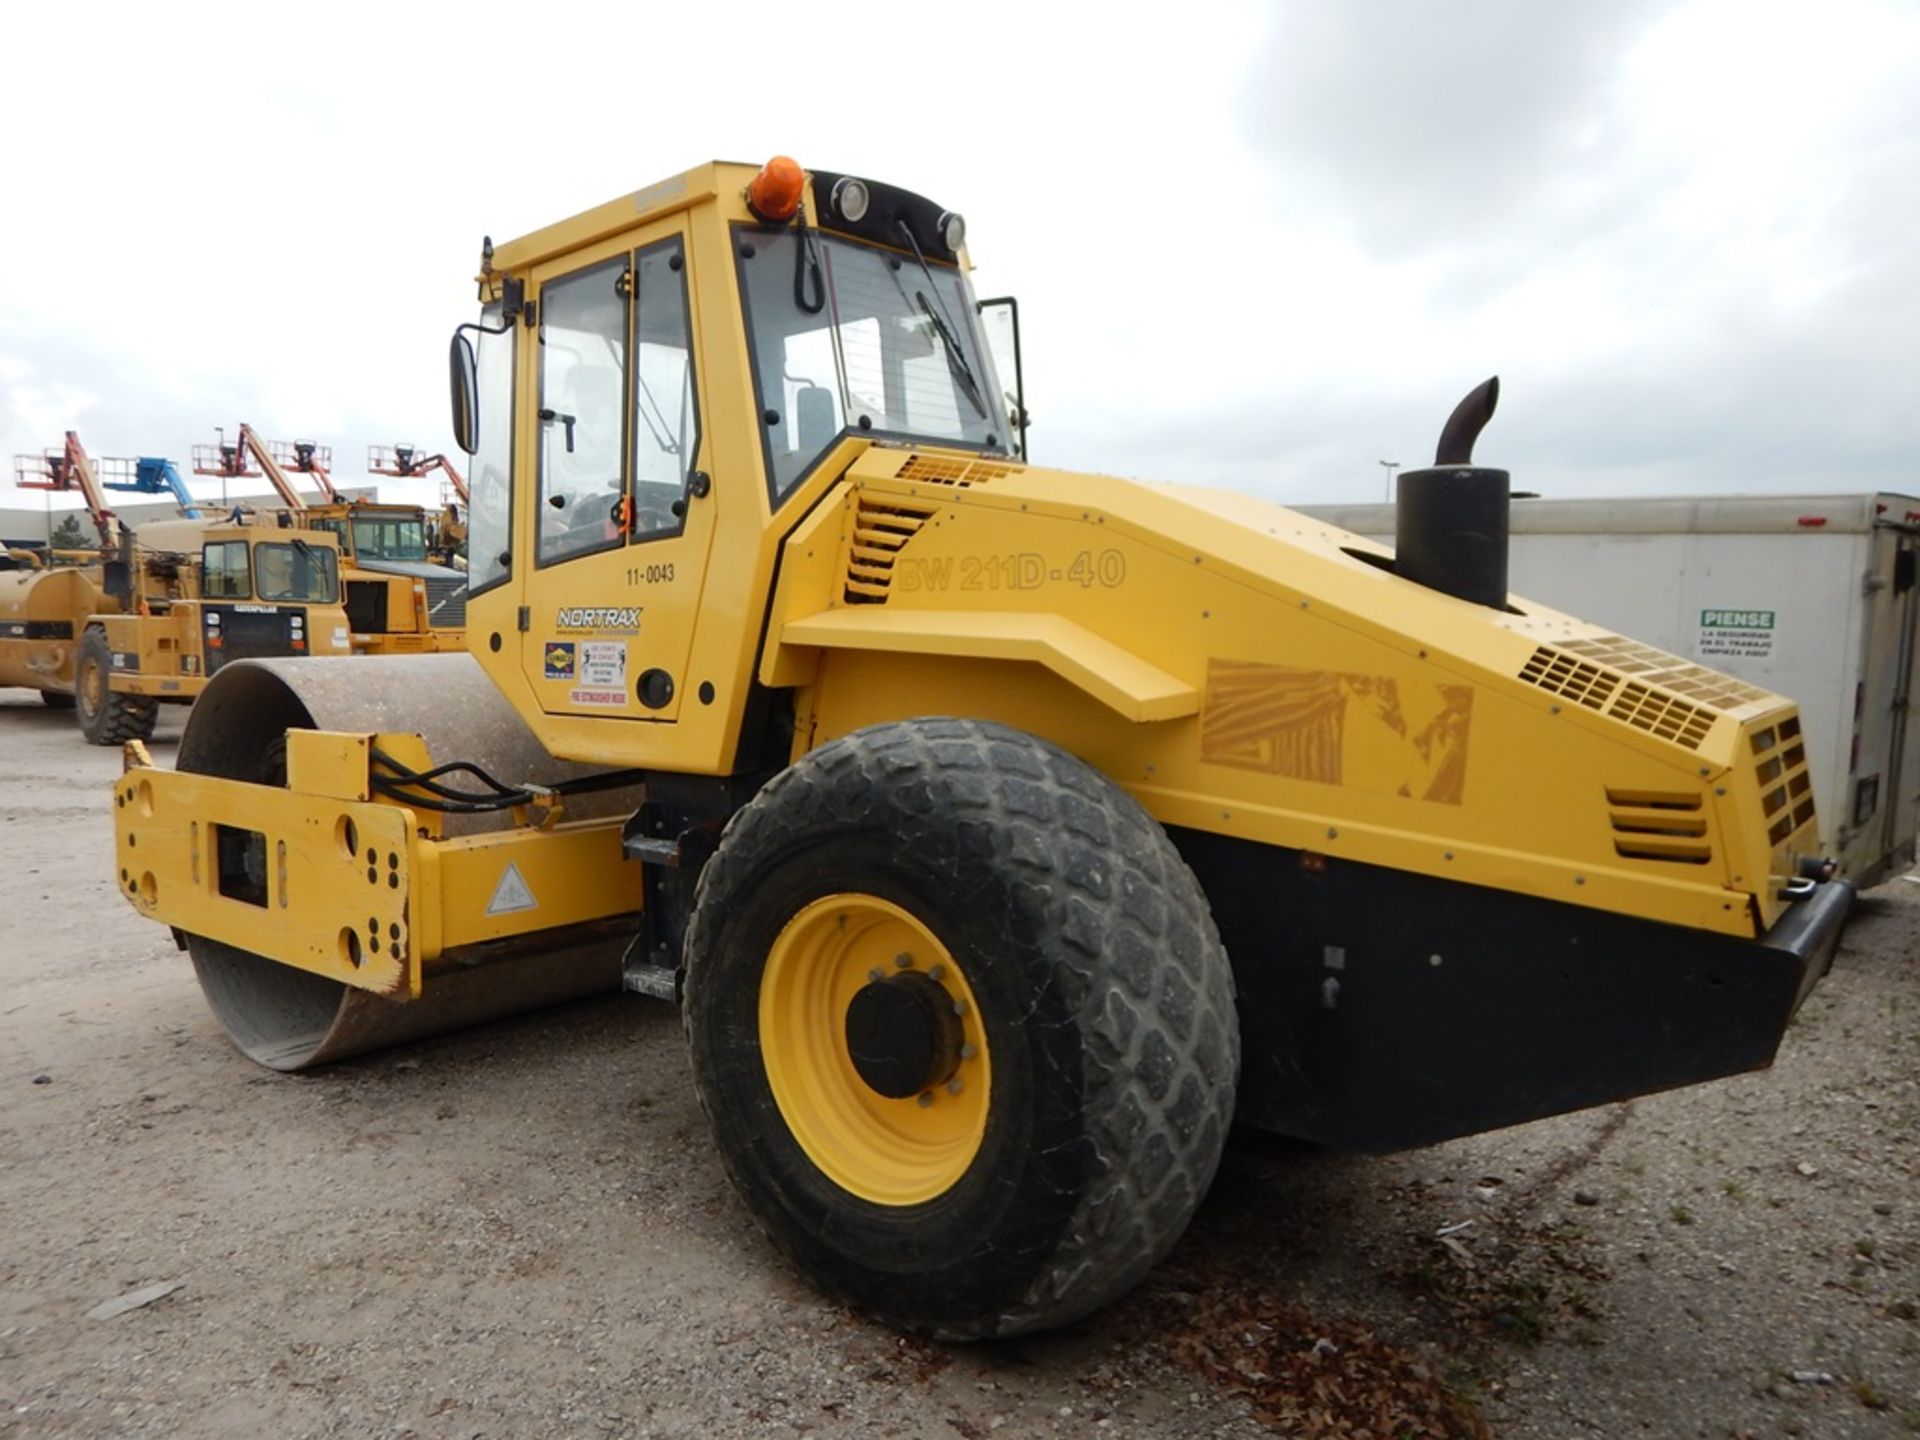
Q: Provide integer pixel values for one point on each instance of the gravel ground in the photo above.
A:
(522, 1231)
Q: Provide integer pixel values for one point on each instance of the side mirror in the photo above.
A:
(464, 375)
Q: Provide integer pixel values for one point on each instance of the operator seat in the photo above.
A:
(815, 421)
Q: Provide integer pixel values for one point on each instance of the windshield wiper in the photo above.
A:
(956, 361)
(956, 357)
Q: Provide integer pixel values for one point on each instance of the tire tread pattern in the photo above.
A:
(1127, 936)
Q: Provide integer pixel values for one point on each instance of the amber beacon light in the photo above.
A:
(774, 193)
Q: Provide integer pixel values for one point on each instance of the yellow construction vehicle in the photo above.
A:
(447, 530)
(399, 600)
(150, 616)
(1005, 833)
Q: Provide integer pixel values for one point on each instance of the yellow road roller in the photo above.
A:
(1005, 834)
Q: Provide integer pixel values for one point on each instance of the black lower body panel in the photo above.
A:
(1381, 1010)
(254, 632)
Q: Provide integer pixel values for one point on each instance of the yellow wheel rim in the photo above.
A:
(93, 687)
(890, 1151)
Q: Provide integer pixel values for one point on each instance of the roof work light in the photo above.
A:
(850, 199)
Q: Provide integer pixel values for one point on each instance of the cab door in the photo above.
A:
(621, 530)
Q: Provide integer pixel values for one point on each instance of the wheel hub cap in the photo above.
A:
(902, 1035)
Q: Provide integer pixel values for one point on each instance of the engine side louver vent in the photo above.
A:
(1635, 702)
(940, 470)
(446, 603)
(1586, 684)
(1780, 767)
(880, 528)
(1668, 672)
(1666, 825)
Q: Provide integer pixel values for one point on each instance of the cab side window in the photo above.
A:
(666, 419)
(223, 569)
(583, 360)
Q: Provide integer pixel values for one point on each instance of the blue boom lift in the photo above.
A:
(149, 475)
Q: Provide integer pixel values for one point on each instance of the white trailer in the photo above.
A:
(1811, 596)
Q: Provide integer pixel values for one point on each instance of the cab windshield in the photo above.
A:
(298, 573)
(379, 537)
(870, 341)
(388, 538)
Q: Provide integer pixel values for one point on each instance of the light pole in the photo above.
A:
(1390, 466)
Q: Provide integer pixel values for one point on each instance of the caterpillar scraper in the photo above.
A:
(1005, 834)
(151, 614)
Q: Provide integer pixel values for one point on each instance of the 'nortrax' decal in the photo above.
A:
(604, 619)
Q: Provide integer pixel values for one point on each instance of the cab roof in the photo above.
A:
(724, 182)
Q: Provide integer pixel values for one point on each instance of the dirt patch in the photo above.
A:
(1308, 1376)
(1505, 1276)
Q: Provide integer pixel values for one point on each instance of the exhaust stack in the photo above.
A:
(1450, 521)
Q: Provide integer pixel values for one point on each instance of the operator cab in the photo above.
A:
(657, 392)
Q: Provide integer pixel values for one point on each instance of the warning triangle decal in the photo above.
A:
(511, 893)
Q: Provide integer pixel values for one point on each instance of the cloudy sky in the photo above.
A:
(1260, 246)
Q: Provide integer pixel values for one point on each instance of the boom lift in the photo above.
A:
(303, 457)
(149, 475)
(1004, 832)
(247, 458)
(406, 460)
(250, 458)
(70, 470)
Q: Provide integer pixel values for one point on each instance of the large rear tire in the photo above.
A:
(962, 1026)
(108, 718)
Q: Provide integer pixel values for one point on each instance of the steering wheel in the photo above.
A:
(653, 504)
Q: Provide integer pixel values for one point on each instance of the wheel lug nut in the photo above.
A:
(936, 972)
(959, 1007)
(967, 1052)
(903, 960)
(926, 1099)
(954, 1087)
(874, 974)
